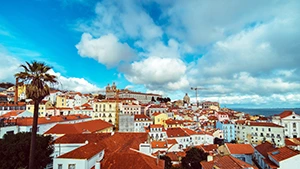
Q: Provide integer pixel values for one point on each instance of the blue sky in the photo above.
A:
(245, 53)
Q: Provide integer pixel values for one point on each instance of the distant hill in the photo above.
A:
(6, 85)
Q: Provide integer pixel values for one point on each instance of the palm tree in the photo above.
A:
(37, 82)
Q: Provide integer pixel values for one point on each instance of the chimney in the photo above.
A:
(16, 91)
(97, 165)
(210, 157)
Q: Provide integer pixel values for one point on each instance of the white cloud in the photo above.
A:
(74, 83)
(157, 71)
(244, 51)
(106, 50)
(201, 22)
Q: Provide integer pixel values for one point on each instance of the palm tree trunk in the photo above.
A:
(33, 135)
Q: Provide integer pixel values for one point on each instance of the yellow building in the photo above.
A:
(42, 107)
(106, 110)
(22, 92)
(159, 118)
(61, 101)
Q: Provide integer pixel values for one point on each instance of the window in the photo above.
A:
(71, 166)
(294, 125)
(269, 129)
(59, 166)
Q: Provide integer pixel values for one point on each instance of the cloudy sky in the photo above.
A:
(243, 53)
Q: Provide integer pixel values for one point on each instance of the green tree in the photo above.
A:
(36, 78)
(168, 162)
(193, 158)
(14, 151)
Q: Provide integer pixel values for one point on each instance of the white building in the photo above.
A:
(291, 122)
(156, 132)
(130, 108)
(140, 122)
(257, 132)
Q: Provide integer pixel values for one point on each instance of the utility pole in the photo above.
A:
(196, 90)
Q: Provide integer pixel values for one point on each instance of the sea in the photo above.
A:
(267, 112)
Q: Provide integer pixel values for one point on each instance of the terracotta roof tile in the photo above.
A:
(91, 126)
(156, 126)
(239, 148)
(226, 162)
(264, 148)
(117, 143)
(175, 156)
(282, 154)
(172, 141)
(81, 138)
(132, 160)
(84, 152)
(171, 121)
(12, 113)
(156, 114)
(176, 132)
(285, 114)
(209, 147)
(138, 117)
(159, 144)
(27, 121)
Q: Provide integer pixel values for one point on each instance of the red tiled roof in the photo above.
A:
(132, 160)
(253, 123)
(226, 162)
(159, 144)
(285, 114)
(13, 104)
(91, 126)
(156, 114)
(27, 121)
(222, 113)
(117, 143)
(156, 126)
(84, 152)
(208, 148)
(86, 105)
(12, 113)
(137, 117)
(172, 141)
(288, 142)
(189, 131)
(212, 118)
(176, 132)
(81, 138)
(239, 148)
(264, 148)
(171, 121)
(282, 154)
(175, 156)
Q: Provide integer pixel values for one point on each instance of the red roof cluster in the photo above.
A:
(27, 121)
(226, 162)
(91, 126)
